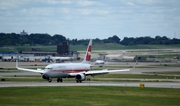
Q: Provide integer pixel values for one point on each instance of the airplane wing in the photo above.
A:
(30, 70)
(106, 71)
(99, 72)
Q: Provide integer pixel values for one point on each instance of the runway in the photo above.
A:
(93, 83)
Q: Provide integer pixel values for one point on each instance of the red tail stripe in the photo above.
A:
(89, 48)
(88, 55)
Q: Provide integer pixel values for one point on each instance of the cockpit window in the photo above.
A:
(48, 68)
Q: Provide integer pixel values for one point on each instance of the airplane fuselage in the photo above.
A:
(62, 70)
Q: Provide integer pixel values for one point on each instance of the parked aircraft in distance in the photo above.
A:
(61, 59)
(79, 71)
(99, 62)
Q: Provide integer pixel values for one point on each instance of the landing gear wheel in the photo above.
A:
(49, 80)
(59, 80)
(78, 81)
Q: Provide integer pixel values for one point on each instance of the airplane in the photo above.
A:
(79, 71)
(98, 62)
(61, 59)
(57, 59)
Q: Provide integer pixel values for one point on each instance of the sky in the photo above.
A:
(84, 19)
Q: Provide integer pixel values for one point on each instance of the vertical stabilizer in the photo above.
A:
(87, 57)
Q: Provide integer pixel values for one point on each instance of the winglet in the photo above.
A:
(87, 57)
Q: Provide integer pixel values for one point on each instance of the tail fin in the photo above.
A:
(87, 57)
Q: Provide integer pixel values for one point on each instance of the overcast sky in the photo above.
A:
(83, 19)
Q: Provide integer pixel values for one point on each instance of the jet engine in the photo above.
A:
(46, 78)
(80, 77)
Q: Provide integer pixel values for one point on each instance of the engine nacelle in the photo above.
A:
(80, 77)
(45, 77)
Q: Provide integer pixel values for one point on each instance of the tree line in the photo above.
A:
(46, 39)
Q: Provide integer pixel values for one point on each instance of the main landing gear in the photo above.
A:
(49, 80)
(59, 80)
(78, 81)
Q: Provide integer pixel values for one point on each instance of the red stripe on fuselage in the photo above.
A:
(69, 71)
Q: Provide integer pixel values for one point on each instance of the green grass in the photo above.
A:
(110, 46)
(24, 79)
(114, 46)
(164, 65)
(143, 76)
(4, 49)
(89, 96)
(168, 73)
(153, 46)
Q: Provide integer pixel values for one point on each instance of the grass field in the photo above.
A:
(110, 46)
(89, 96)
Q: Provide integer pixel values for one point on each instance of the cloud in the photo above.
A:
(93, 12)
(130, 3)
(67, 2)
(64, 10)
(53, 2)
(11, 4)
(102, 12)
(100, 17)
(85, 11)
(85, 2)
(43, 11)
(35, 11)
(40, 2)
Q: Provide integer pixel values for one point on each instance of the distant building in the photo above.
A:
(23, 33)
(39, 52)
(102, 56)
(63, 49)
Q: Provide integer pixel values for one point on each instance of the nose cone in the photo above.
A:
(47, 69)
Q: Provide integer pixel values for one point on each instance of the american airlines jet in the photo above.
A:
(79, 71)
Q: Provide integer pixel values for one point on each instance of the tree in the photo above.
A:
(57, 39)
(97, 40)
(128, 41)
(115, 39)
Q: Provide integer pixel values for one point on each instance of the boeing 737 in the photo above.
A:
(79, 71)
